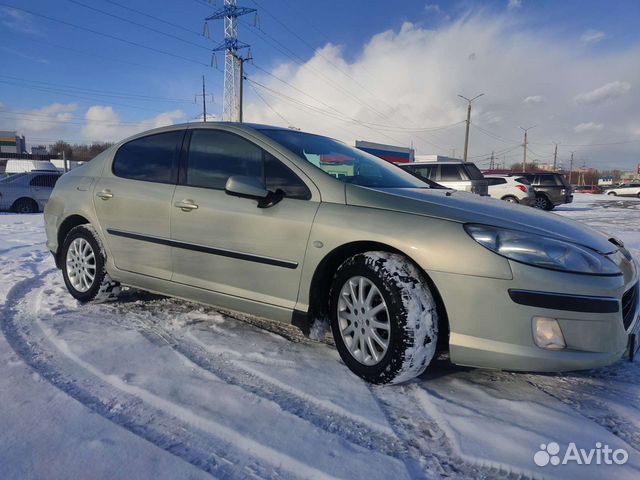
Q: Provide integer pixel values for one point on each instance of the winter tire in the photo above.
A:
(83, 266)
(383, 317)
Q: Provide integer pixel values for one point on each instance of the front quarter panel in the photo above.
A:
(436, 245)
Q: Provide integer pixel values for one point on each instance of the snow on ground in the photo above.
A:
(151, 387)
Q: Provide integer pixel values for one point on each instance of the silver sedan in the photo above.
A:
(304, 229)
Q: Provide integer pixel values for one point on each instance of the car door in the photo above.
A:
(133, 203)
(226, 243)
(452, 176)
(41, 187)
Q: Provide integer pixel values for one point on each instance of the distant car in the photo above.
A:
(463, 176)
(551, 189)
(511, 189)
(27, 192)
(626, 190)
(588, 189)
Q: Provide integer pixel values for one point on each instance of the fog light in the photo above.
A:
(547, 333)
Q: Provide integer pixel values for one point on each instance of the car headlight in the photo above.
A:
(541, 251)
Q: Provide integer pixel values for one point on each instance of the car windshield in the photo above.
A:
(347, 164)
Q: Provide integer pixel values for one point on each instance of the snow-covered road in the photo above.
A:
(150, 387)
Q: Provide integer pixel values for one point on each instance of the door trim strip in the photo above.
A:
(250, 257)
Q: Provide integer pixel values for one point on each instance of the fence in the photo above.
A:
(27, 183)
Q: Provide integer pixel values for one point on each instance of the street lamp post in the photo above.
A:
(466, 135)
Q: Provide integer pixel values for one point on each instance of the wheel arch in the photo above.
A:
(67, 224)
(27, 199)
(324, 274)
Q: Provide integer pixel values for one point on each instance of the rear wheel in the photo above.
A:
(83, 266)
(510, 199)
(25, 205)
(383, 317)
(543, 203)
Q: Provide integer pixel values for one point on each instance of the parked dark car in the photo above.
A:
(551, 189)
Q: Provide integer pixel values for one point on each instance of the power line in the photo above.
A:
(132, 22)
(106, 93)
(253, 87)
(106, 35)
(139, 12)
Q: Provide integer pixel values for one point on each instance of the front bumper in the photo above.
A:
(489, 329)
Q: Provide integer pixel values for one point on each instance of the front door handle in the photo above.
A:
(186, 205)
(105, 194)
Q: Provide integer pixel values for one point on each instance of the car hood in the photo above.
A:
(466, 207)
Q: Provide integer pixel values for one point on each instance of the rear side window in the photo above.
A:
(149, 159)
(214, 156)
(450, 173)
(473, 172)
(523, 181)
(496, 181)
(44, 181)
(548, 180)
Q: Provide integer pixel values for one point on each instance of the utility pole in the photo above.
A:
(241, 85)
(232, 101)
(524, 159)
(555, 158)
(571, 169)
(466, 135)
(204, 95)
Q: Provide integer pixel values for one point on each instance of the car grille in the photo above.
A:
(629, 301)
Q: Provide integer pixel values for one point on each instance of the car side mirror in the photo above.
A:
(251, 187)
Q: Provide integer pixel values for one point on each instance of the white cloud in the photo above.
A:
(18, 21)
(588, 127)
(411, 77)
(592, 37)
(432, 8)
(514, 4)
(46, 119)
(104, 124)
(533, 99)
(606, 92)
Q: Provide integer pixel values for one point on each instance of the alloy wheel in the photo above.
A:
(363, 319)
(81, 264)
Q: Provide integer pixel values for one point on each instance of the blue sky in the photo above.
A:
(130, 87)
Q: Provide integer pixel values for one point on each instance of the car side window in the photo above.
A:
(214, 156)
(424, 172)
(496, 181)
(44, 181)
(279, 177)
(450, 173)
(546, 180)
(149, 159)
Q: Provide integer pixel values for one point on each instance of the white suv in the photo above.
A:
(626, 190)
(511, 189)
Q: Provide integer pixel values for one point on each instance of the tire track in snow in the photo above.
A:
(596, 409)
(429, 444)
(141, 412)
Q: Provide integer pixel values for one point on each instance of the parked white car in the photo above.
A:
(511, 189)
(626, 190)
(27, 192)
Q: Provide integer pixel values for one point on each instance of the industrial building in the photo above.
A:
(10, 142)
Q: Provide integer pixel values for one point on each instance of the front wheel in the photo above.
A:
(83, 266)
(612, 193)
(383, 317)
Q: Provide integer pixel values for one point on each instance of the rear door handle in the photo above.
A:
(186, 205)
(105, 194)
